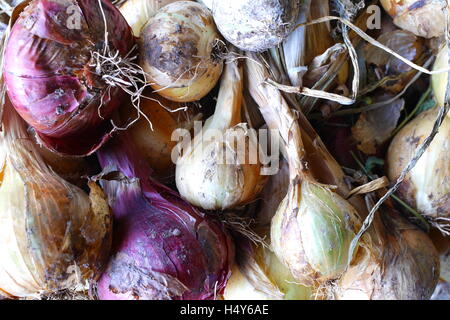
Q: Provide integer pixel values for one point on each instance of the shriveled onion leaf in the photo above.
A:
(375, 127)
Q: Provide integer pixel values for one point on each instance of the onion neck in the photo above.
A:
(229, 101)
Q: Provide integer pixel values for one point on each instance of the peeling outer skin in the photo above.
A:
(403, 265)
(427, 186)
(55, 235)
(425, 18)
(177, 50)
(48, 74)
(255, 25)
(163, 248)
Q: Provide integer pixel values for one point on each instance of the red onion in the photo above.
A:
(51, 76)
(163, 247)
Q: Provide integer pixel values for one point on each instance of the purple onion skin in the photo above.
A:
(48, 74)
(163, 248)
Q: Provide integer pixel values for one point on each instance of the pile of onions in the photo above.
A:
(163, 248)
(255, 25)
(179, 51)
(313, 227)
(425, 18)
(54, 77)
(155, 141)
(426, 186)
(217, 170)
(54, 236)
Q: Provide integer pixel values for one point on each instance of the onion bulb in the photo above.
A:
(55, 79)
(259, 275)
(138, 12)
(215, 172)
(313, 227)
(163, 247)
(424, 18)
(439, 81)
(427, 185)
(155, 142)
(178, 51)
(255, 25)
(403, 265)
(53, 235)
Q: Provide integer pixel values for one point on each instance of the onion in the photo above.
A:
(439, 81)
(50, 74)
(425, 18)
(215, 171)
(178, 51)
(138, 12)
(402, 265)
(155, 142)
(163, 248)
(427, 185)
(255, 25)
(259, 275)
(313, 227)
(53, 235)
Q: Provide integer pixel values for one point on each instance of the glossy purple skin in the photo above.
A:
(163, 247)
(48, 74)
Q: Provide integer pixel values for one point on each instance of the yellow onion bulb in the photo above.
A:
(427, 185)
(138, 12)
(152, 133)
(424, 18)
(403, 265)
(53, 235)
(312, 232)
(220, 169)
(179, 51)
(439, 81)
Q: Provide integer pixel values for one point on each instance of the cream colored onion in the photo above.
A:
(427, 186)
(425, 18)
(179, 51)
(215, 171)
(255, 25)
(313, 227)
(138, 12)
(53, 236)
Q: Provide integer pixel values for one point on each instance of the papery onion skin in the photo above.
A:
(255, 25)
(425, 18)
(427, 185)
(49, 76)
(138, 12)
(312, 231)
(155, 140)
(54, 236)
(163, 247)
(404, 265)
(178, 51)
(439, 81)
